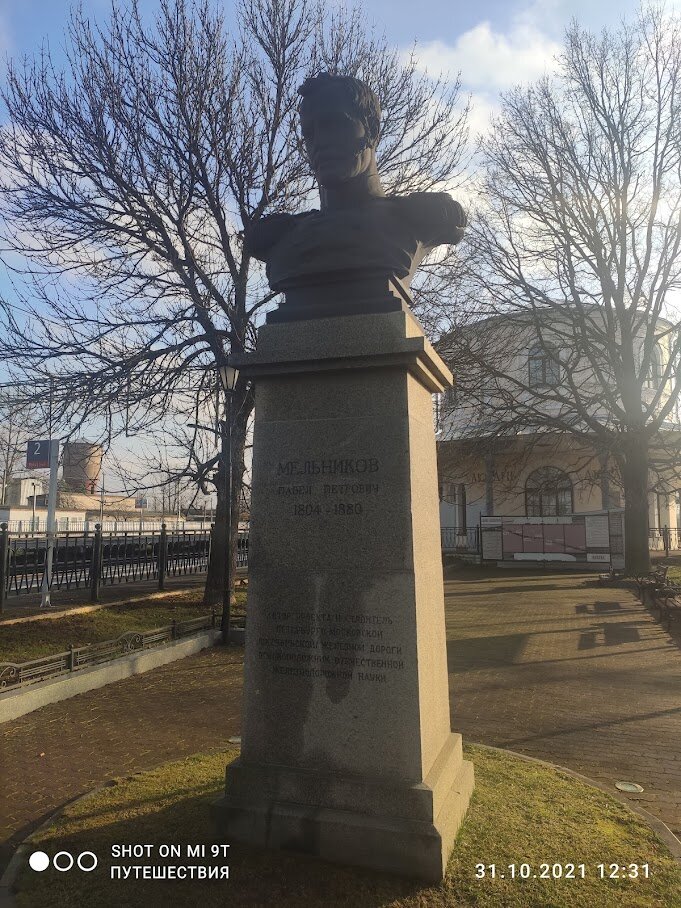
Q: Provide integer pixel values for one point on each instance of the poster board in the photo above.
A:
(588, 539)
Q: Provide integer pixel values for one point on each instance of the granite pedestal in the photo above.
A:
(347, 751)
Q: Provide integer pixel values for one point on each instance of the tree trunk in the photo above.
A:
(635, 485)
(215, 578)
(238, 448)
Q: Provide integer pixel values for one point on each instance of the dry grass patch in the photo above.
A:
(520, 812)
(33, 639)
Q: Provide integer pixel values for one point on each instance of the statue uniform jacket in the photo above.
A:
(386, 235)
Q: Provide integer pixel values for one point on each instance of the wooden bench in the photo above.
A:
(668, 600)
(653, 580)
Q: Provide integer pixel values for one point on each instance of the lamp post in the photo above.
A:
(228, 379)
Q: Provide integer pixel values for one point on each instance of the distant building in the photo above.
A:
(487, 470)
(82, 466)
(20, 491)
(111, 503)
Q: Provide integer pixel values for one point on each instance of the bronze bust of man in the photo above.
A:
(360, 251)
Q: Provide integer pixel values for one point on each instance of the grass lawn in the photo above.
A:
(33, 639)
(671, 561)
(520, 813)
(674, 575)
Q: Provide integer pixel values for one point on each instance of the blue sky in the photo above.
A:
(494, 44)
(24, 22)
(521, 28)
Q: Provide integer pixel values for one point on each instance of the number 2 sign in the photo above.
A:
(38, 455)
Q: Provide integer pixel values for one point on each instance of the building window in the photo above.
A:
(543, 366)
(548, 493)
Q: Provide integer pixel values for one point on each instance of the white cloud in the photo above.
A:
(483, 106)
(492, 61)
(550, 15)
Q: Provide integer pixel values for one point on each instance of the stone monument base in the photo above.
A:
(403, 829)
(347, 748)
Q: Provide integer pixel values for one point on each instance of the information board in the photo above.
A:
(575, 538)
(38, 454)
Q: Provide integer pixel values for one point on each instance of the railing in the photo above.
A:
(664, 539)
(70, 525)
(456, 539)
(20, 674)
(89, 560)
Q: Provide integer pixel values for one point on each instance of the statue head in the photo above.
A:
(340, 119)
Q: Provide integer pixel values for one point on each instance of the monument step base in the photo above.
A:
(262, 784)
(407, 847)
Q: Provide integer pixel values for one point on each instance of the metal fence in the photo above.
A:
(20, 674)
(664, 539)
(38, 524)
(90, 560)
(458, 539)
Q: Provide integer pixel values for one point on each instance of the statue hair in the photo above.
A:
(358, 93)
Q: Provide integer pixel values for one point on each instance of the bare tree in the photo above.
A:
(15, 431)
(133, 175)
(577, 258)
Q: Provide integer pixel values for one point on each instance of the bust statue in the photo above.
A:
(359, 252)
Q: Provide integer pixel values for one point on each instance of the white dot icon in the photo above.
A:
(81, 862)
(58, 864)
(39, 861)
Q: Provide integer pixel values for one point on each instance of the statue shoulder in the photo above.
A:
(266, 232)
(437, 218)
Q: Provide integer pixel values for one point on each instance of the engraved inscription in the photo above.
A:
(294, 490)
(331, 645)
(332, 499)
(356, 488)
(328, 467)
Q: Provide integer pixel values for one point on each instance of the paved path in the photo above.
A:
(60, 751)
(561, 669)
(551, 666)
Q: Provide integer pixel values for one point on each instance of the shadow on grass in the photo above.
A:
(520, 811)
(256, 877)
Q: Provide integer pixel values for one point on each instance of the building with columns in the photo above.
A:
(493, 462)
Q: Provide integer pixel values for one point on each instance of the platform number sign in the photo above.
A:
(38, 454)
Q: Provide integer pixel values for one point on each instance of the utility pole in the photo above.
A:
(51, 515)
(227, 478)
(5, 477)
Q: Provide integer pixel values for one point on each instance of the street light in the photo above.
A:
(228, 379)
